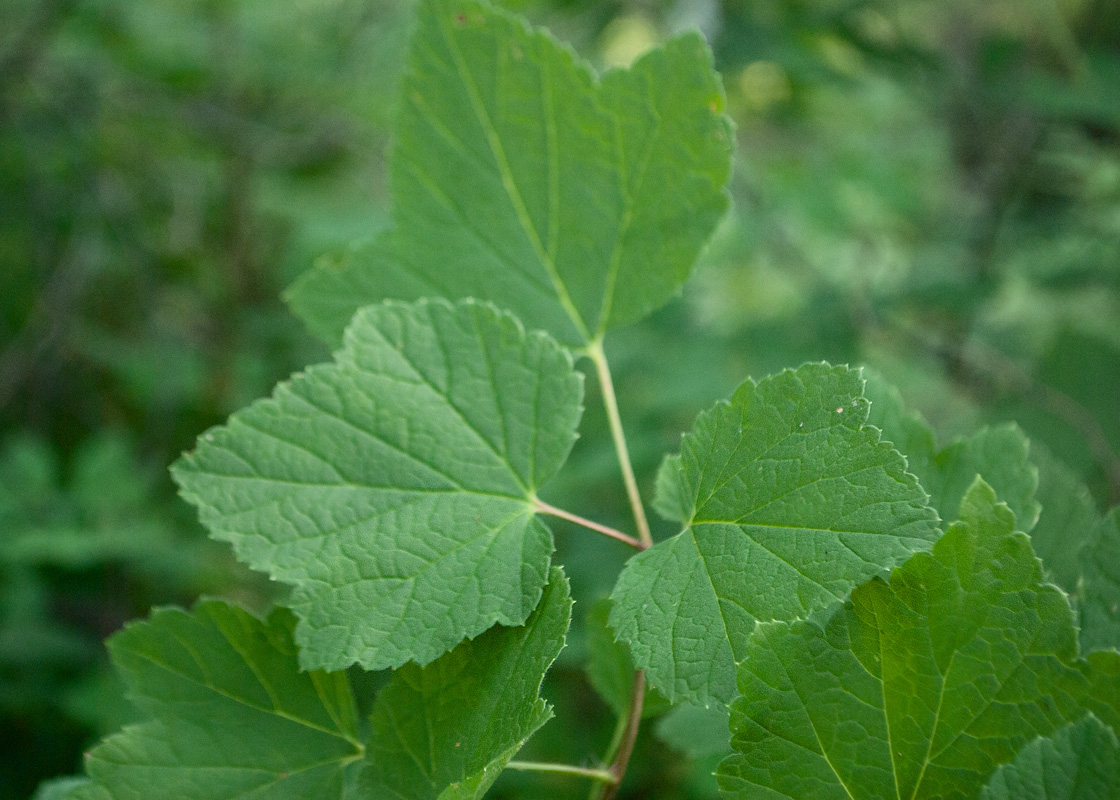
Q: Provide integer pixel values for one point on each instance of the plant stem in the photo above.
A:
(545, 508)
(596, 354)
(629, 736)
(605, 776)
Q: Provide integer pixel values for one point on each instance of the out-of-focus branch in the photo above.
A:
(29, 44)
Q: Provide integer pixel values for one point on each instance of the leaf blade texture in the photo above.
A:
(920, 687)
(229, 712)
(791, 502)
(446, 730)
(394, 487)
(1079, 762)
(520, 177)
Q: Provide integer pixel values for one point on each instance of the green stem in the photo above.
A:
(545, 508)
(629, 736)
(596, 354)
(602, 775)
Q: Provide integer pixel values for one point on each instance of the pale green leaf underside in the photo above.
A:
(446, 730)
(517, 176)
(999, 454)
(696, 731)
(916, 688)
(230, 714)
(73, 788)
(609, 666)
(1079, 762)
(1068, 520)
(790, 501)
(394, 487)
(1100, 586)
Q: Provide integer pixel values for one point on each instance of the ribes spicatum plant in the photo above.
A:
(847, 610)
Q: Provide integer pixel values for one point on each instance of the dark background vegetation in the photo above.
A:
(929, 188)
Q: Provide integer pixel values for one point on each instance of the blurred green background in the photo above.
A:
(929, 188)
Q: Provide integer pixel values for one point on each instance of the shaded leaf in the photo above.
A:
(609, 666)
(446, 730)
(395, 487)
(577, 203)
(1100, 587)
(1079, 762)
(999, 454)
(230, 713)
(668, 493)
(920, 687)
(1068, 519)
(697, 731)
(61, 788)
(791, 501)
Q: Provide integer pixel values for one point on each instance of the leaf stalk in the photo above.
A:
(602, 775)
(598, 356)
(545, 508)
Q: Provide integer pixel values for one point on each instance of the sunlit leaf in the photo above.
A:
(394, 488)
(919, 687)
(518, 176)
(791, 501)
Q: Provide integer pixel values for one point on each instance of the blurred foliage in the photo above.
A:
(931, 188)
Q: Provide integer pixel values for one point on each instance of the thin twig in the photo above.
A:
(545, 508)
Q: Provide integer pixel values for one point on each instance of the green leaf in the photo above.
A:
(1000, 455)
(1104, 686)
(230, 713)
(446, 730)
(395, 487)
(915, 688)
(1068, 520)
(610, 668)
(62, 788)
(1079, 762)
(668, 493)
(791, 501)
(697, 731)
(1100, 586)
(578, 203)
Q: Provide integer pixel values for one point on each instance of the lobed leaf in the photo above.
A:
(919, 687)
(517, 176)
(999, 454)
(790, 501)
(394, 489)
(447, 730)
(229, 713)
(1079, 762)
